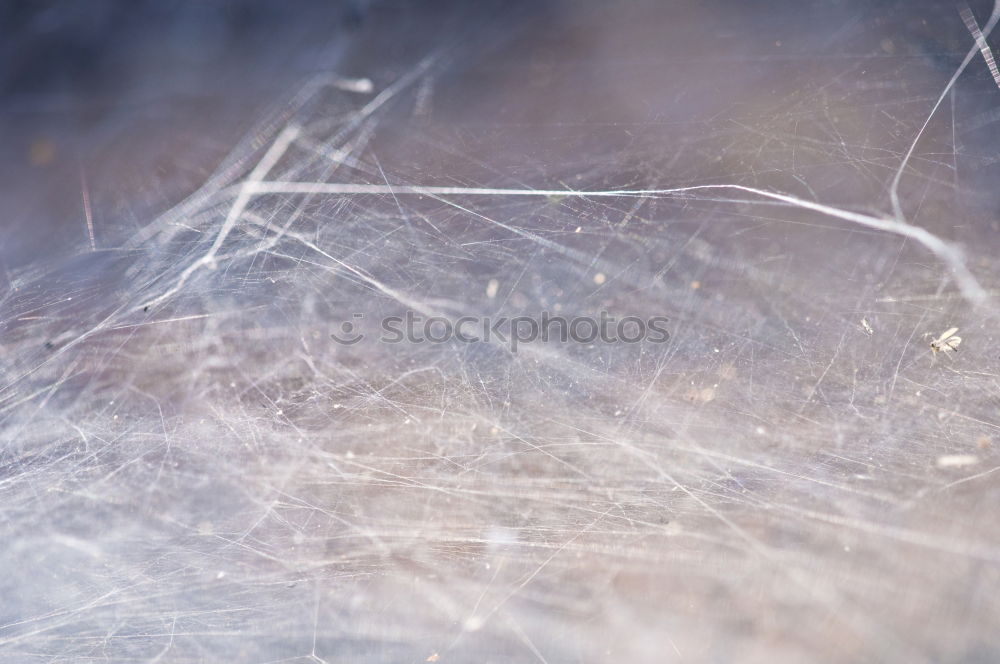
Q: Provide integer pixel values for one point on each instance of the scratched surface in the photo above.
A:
(192, 470)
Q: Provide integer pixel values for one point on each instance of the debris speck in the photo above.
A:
(956, 460)
(491, 288)
(42, 152)
(599, 278)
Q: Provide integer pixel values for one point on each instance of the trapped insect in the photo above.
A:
(946, 342)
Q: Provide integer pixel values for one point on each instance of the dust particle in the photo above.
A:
(956, 460)
(41, 152)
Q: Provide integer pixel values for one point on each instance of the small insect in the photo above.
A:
(867, 327)
(946, 342)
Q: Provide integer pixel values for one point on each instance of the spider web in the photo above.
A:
(193, 470)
